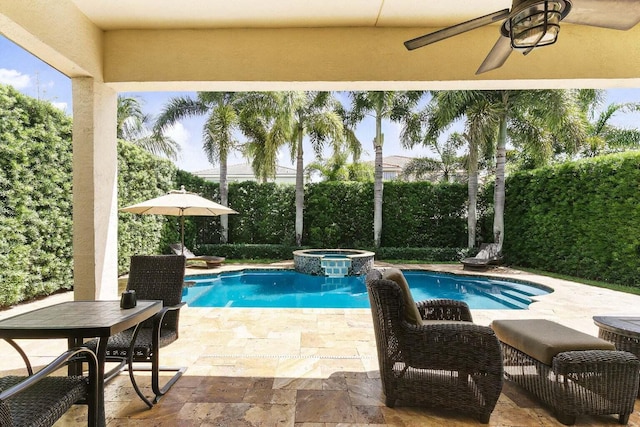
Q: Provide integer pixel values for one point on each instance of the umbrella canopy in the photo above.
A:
(179, 203)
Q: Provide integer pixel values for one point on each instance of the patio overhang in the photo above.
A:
(146, 45)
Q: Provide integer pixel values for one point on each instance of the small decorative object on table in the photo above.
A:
(128, 299)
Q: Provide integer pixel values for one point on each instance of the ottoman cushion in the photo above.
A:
(543, 339)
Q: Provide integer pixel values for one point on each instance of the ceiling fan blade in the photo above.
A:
(456, 29)
(614, 14)
(498, 55)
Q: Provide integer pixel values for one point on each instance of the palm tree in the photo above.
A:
(446, 164)
(132, 125)
(537, 120)
(222, 111)
(336, 168)
(602, 136)
(289, 118)
(395, 106)
(482, 119)
(534, 120)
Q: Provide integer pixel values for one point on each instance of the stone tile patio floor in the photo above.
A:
(311, 367)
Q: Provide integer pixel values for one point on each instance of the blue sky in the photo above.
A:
(37, 79)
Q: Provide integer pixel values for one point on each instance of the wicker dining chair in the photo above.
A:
(440, 360)
(153, 277)
(40, 399)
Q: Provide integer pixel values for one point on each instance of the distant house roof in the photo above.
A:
(392, 166)
(244, 172)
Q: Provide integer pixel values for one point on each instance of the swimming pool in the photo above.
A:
(290, 289)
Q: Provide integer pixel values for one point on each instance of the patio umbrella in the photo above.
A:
(179, 203)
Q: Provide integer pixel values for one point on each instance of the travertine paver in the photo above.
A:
(311, 367)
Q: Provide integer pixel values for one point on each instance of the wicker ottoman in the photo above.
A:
(571, 372)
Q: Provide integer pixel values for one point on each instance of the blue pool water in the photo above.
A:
(290, 289)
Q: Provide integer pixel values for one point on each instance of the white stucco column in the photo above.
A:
(95, 190)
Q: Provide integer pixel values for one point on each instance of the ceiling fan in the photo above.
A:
(535, 23)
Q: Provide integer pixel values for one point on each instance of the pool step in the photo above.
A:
(517, 298)
(508, 300)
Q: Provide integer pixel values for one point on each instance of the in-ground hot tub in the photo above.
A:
(333, 262)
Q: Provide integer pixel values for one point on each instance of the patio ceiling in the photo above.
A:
(205, 14)
(278, 44)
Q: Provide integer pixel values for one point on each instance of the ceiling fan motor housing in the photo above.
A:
(534, 23)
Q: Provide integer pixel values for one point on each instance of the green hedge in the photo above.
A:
(422, 214)
(250, 252)
(35, 198)
(142, 176)
(580, 218)
(266, 213)
(338, 215)
(423, 254)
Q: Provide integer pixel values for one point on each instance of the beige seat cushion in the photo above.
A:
(543, 339)
(411, 313)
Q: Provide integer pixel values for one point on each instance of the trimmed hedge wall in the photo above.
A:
(579, 218)
(284, 252)
(142, 176)
(336, 215)
(35, 198)
(266, 213)
(422, 214)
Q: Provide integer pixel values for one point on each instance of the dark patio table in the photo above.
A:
(622, 331)
(75, 321)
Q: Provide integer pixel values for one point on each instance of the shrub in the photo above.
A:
(579, 218)
(35, 198)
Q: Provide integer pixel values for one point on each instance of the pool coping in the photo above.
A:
(572, 304)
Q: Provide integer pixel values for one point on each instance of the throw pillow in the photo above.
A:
(411, 313)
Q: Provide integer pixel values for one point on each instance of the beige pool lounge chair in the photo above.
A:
(488, 255)
(210, 261)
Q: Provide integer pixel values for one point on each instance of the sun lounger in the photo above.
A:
(488, 255)
(209, 260)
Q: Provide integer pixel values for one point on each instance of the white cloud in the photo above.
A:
(179, 133)
(14, 78)
(60, 106)
(191, 158)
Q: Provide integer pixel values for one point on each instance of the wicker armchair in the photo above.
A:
(153, 277)
(40, 399)
(447, 362)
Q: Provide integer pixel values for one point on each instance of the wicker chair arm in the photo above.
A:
(85, 353)
(457, 346)
(444, 309)
(157, 318)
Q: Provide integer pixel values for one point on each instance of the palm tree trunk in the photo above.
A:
(377, 187)
(472, 216)
(224, 198)
(498, 194)
(299, 191)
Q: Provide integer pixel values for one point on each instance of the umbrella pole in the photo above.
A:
(182, 231)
